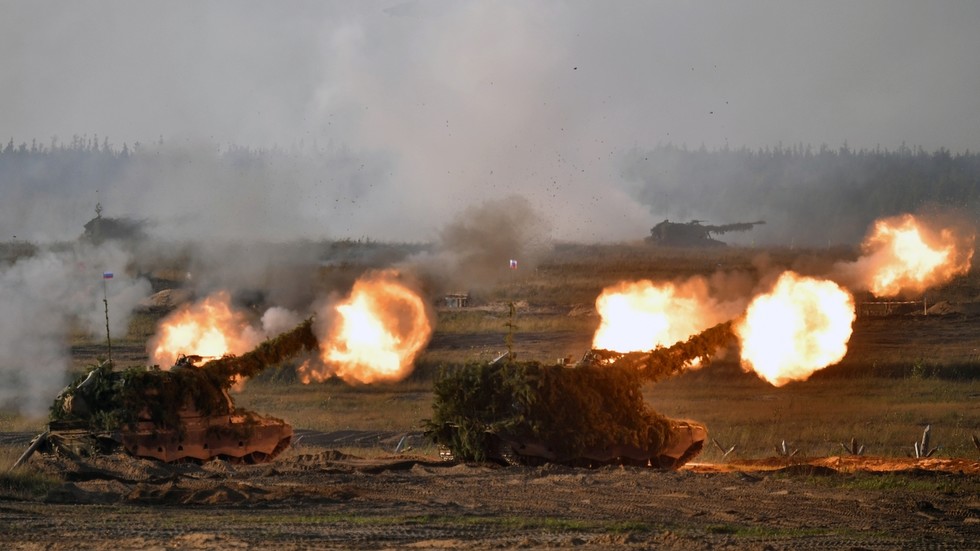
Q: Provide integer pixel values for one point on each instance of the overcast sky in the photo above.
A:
(472, 100)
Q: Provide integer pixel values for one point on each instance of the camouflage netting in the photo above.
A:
(596, 405)
(113, 399)
(268, 353)
(572, 409)
(665, 362)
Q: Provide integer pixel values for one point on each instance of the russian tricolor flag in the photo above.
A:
(106, 275)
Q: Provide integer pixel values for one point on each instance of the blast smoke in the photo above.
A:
(908, 254)
(373, 334)
(383, 121)
(43, 299)
(213, 327)
(278, 274)
(278, 320)
(643, 315)
(475, 249)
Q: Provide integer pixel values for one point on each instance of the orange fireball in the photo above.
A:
(642, 315)
(374, 335)
(905, 255)
(799, 327)
(210, 328)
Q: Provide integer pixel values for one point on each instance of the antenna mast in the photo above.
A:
(105, 300)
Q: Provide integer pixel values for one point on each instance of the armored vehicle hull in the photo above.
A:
(249, 439)
(693, 233)
(182, 414)
(589, 415)
(685, 440)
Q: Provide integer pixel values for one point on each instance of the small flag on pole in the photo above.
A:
(106, 275)
(513, 264)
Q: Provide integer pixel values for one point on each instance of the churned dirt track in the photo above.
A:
(322, 498)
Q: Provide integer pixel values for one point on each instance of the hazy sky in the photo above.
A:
(465, 101)
(421, 112)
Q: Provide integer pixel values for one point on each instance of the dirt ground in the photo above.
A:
(315, 497)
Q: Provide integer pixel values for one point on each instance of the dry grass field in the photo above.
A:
(902, 373)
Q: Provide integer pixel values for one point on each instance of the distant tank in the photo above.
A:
(693, 233)
(182, 414)
(102, 228)
(589, 415)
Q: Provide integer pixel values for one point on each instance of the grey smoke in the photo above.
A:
(427, 108)
(475, 249)
(43, 299)
(278, 320)
(272, 273)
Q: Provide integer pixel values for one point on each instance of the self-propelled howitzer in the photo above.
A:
(694, 233)
(592, 414)
(184, 413)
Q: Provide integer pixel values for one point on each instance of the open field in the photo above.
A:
(314, 498)
(902, 372)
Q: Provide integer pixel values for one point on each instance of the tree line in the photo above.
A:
(807, 196)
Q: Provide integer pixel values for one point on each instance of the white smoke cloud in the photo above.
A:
(277, 320)
(426, 108)
(474, 250)
(43, 299)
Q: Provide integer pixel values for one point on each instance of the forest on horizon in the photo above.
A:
(808, 196)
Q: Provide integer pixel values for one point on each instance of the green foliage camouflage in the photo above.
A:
(594, 405)
(663, 362)
(571, 409)
(270, 352)
(113, 400)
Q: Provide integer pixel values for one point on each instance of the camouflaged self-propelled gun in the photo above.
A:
(182, 414)
(590, 415)
(694, 233)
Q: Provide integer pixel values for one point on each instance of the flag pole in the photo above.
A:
(105, 301)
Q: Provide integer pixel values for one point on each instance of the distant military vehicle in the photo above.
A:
(103, 228)
(693, 233)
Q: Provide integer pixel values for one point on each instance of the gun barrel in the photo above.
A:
(738, 226)
(663, 362)
(270, 352)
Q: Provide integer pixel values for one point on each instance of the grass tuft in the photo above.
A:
(26, 484)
